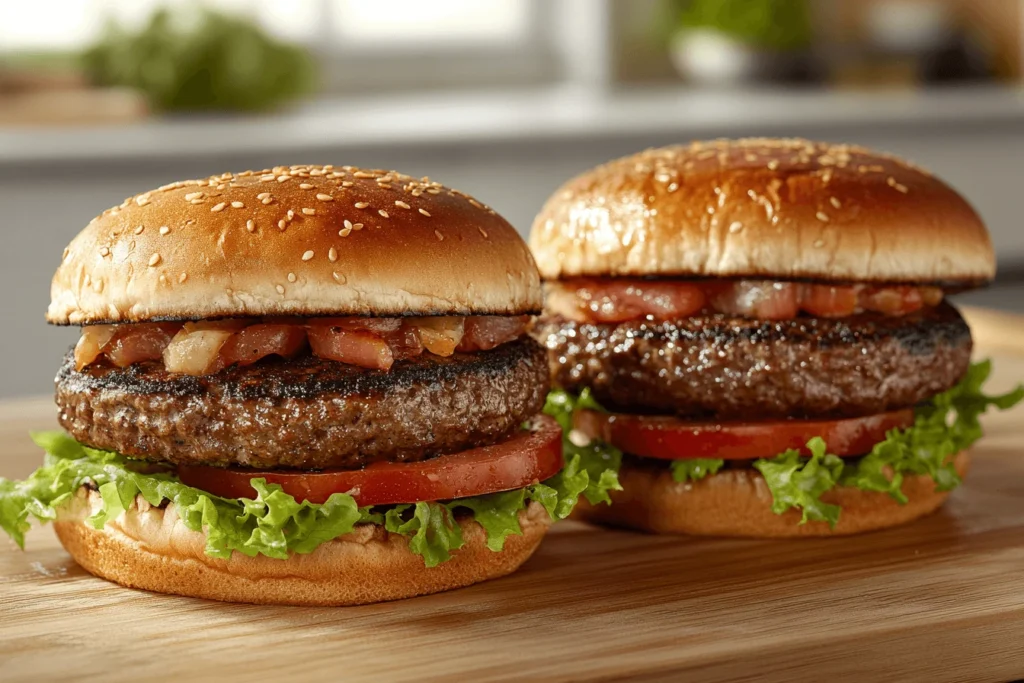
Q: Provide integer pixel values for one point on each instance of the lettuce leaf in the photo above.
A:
(798, 482)
(694, 469)
(594, 466)
(273, 523)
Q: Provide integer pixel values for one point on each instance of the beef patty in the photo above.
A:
(305, 413)
(717, 366)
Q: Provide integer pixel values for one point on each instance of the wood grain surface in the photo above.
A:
(941, 599)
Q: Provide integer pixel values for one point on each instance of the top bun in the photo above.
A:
(779, 209)
(300, 240)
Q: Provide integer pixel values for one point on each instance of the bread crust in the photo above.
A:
(763, 208)
(301, 240)
(150, 548)
(738, 503)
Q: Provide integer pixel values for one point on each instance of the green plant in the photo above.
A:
(774, 24)
(200, 59)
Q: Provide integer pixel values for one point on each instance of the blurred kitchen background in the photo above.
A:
(100, 99)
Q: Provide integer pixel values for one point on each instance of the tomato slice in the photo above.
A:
(670, 438)
(827, 301)
(527, 457)
(484, 332)
(352, 346)
(262, 340)
(140, 341)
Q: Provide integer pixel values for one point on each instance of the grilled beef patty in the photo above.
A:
(305, 413)
(723, 367)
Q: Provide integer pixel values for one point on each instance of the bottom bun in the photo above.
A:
(738, 503)
(150, 548)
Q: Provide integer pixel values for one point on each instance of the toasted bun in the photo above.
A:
(738, 503)
(304, 240)
(762, 208)
(151, 548)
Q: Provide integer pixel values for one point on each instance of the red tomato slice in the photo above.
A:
(262, 340)
(829, 302)
(526, 458)
(484, 332)
(763, 299)
(352, 346)
(670, 438)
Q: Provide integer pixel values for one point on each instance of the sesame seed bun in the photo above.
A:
(738, 503)
(302, 240)
(766, 208)
(150, 548)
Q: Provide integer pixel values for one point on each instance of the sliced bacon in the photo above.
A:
(484, 332)
(353, 346)
(261, 340)
(827, 301)
(91, 344)
(142, 341)
(621, 299)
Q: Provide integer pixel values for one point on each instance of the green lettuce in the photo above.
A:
(798, 482)
(694, 469)
(273, 523)
(596, 462)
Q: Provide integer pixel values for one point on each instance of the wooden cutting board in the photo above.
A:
(938, 600)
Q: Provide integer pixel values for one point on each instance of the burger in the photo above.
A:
(757, 333)
(304, 385)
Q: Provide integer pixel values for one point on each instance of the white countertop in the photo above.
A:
(510, 116)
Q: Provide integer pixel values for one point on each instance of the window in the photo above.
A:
(379, 44)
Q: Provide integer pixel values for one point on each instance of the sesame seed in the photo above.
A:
(237, 205)
(773, 164)
(183, 277)
(139, 229)
(218, 207)
(433, 190)
(280, 289)
(425, 212)
(896, 186)
(266, 200)
(282, 178)
(402, 205)
(282, 224)
(332, 255)
(305, 186)
(309, 212)
(154, 259)
(103, 252)
(197, 201)
(362, 205)
(250, 225)
(347, 183)
(383, 213)
(291, 277)
(482, 232)
(440, 237)
(348, 224)
(164, 230)
(476, 203)
(344, 232)
(307, 255)
(142, 200)
(267, 178)
(338, 277)
(834, 201)
(358, 226)
(67, 252)
(194, 195)
(363, 174)
(822, 216)
(262, 195)
(325, 197)
(735, 227)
